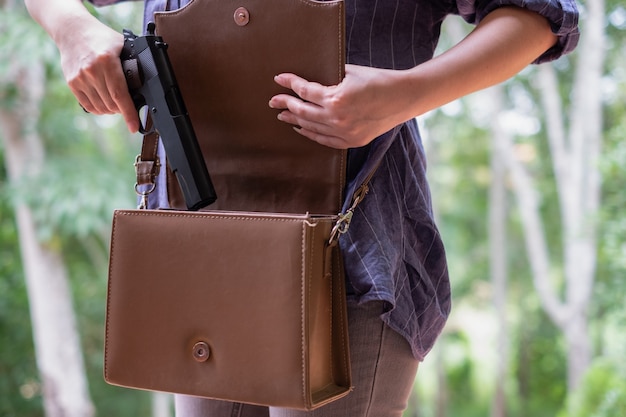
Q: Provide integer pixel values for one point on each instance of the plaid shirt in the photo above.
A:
(393, 251)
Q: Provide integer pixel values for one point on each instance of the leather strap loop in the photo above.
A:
(147, 164)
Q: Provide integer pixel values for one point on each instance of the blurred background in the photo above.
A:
(528, 184)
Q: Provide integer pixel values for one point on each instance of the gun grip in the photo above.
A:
(132, 72)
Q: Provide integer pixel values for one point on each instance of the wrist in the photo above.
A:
(420, 89)
(71, 26)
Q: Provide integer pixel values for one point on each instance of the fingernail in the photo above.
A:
(280, 117)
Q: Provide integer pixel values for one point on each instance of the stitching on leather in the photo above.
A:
(108, 310)
(226, 216)
(342, 170)
(330, 316)
(341, 37)
(341, 18)
(341, 322)
(312, 252)
(303, 304)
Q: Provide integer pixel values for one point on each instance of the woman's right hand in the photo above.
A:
(90, 59)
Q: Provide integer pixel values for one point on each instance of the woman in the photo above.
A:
(398, 289)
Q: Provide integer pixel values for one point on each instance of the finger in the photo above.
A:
(90, 100)
(290, 118)
(106, 95)
(109, 84)
(131, 117)
(118, 91)
(306, 90)
(300, 109)
(89, 95)
(326, 140)
(83, 100)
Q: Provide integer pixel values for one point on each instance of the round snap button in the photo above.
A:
(201, 352)
(241, 16)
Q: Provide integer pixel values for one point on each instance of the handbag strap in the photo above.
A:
(147, 164)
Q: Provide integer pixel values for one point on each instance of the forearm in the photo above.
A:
(370, 101)
(83, 41)
(504, 43)
(60, 18)
(90, 56)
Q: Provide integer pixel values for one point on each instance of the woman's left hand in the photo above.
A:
(347, 115)
(370, 101)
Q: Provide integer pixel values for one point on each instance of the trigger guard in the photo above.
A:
(144, 121)
(143, 130)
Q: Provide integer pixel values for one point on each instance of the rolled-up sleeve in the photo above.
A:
(562, 15)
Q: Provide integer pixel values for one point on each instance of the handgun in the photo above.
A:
(153, 87)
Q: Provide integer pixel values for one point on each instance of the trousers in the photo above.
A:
(383, 374)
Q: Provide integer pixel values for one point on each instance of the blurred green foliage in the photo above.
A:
(603, 392)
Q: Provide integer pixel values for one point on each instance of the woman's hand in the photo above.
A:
(92, 68)
(347, 115)
(90, 57)
(370, 101)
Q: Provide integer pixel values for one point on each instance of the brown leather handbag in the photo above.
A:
(246, 307)
(244, 301)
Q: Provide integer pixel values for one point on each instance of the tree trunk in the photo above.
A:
(441, 401)
(57, 346)
(574, 154)
(576, 170)
(498, 248)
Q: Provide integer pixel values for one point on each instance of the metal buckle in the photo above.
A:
(143, 201)
(143, 194)
(343, 222)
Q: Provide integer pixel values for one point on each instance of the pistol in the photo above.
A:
(152, 86)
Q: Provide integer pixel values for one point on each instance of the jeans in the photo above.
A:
(383, 373)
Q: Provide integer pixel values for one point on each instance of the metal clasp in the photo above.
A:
(343, 222)
(143, 195)
(340, 227)
(141, 174)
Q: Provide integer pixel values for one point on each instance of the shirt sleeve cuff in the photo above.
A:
(561, 14)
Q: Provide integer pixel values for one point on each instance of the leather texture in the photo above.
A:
(246, 307)
(225, 67)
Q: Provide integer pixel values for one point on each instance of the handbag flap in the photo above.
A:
(225, 55)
